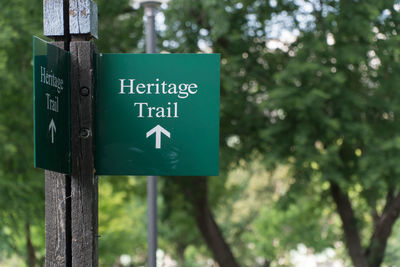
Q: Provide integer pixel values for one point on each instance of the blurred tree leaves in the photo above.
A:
(328, 117)
(122, 221)
(21, 187)
(323, 103)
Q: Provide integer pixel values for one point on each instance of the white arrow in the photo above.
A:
(53, 129)
(158, 130)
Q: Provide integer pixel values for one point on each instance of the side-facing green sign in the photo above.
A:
(51, 85)
(157, 114)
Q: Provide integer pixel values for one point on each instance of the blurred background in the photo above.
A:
(309, 144)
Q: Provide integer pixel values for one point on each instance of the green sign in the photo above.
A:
(157, 114)
(51, 85)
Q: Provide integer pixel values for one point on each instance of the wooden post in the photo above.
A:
(57, 185)
(84, 198)
(72, 201)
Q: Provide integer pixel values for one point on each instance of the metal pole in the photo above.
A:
(150, 10)
(152, 220)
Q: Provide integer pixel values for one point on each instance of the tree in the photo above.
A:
(195, 195)
(324, 103)
(223, 27)
(21, 188)
(187, 21)
(332, 116)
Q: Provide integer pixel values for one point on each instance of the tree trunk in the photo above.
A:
(382, 231)
(267, 263)
(196, 194)
(29, 247)
(349, 222)
(181, 254)
(383, 225)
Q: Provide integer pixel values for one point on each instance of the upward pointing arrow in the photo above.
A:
(158, 130)
(53, 129)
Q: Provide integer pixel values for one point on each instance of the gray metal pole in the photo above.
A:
(152, 220)
(150, 10)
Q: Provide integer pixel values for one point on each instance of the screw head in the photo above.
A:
(84, 91)
(84, 133)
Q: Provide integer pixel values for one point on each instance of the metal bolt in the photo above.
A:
(84, 91)
(84, 133)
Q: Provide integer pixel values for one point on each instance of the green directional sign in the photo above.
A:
(51, 85)
(157, 114)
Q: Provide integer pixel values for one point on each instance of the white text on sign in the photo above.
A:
(170, 110)
(47, 77)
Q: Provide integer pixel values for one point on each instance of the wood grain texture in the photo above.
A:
(83, 17)
(84, 188)
(56, 226)
(53, 17)
(57, 216)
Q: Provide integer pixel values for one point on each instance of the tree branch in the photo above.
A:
(375, 217)
(352, 237)
(389, 199)
(196, 193)
(383, 229)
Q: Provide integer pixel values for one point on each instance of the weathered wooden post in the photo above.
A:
(58, 186)
(72, 201)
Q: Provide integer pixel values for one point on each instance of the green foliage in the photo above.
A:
(335, 110)
(177, 220)
(392, 257)
(21, 187)
(325, 105)
(122, 221)
(332, 111)
(120, 27)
